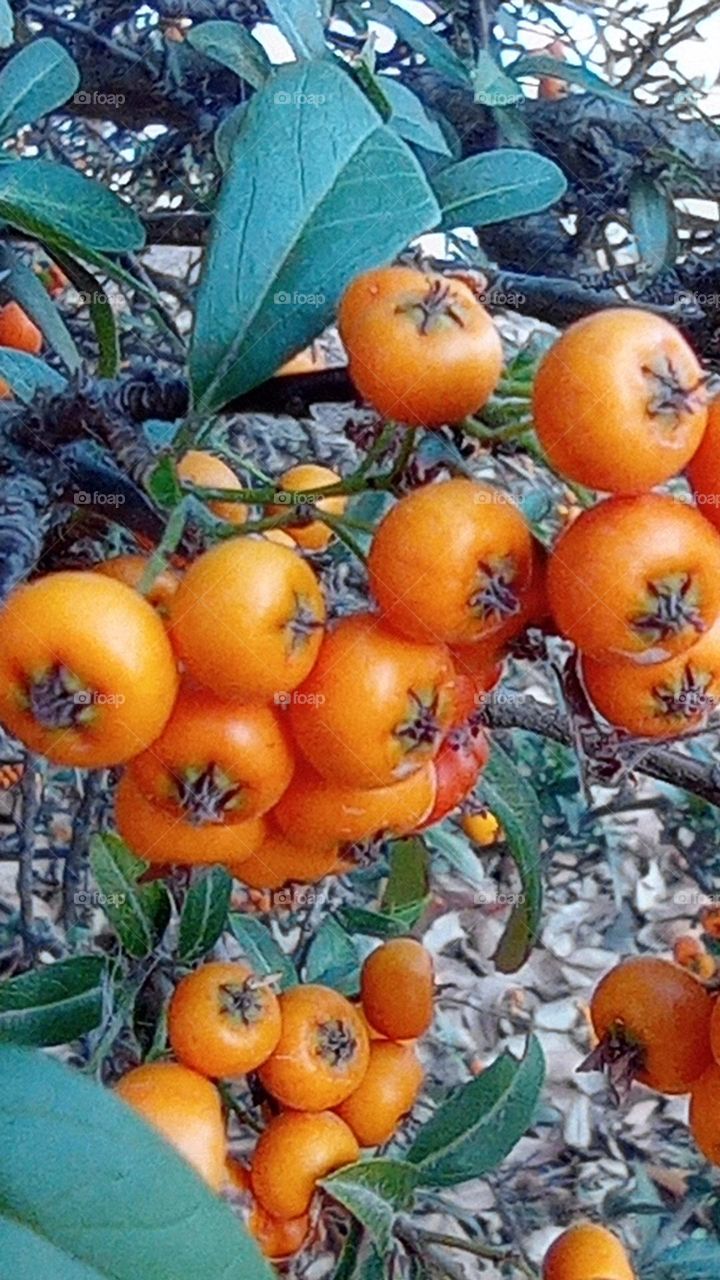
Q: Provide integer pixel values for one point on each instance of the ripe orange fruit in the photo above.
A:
(587, 1252)
(451, 562)
(131, 570)
(87, 675)
(292, 1155)
(422, 349)
(223, 1021)
(216, 761)
(185, 1108)
(279, 1238)
(278, 861)
(322, 1054)
(705, 1113)
(396, 990)
(653, 1021)
(17, 330)
(208, 472)
(247, 619)
(309, 360)
(482, 827)
(619, 401)
(315, 811)
(307, 481)
(387, 1092)
(163, 838)
(375, 707)
(704, 468)
(667, 594)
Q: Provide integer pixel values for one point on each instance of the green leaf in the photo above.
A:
(697, 1259)
(26, 287)
(653, 222)
(372, 923)
(514, 803)
(204, 914)
(101, 313)
(455, 851)
(496, 186)
(333, 959)
(375, 1191)
(27, 375)
(481, 1122)
(423, 40)
(262, 951)
(139, 913)
(492, 87)
(89, 1191)
(269, 285)
(7, 25)
(410, 118)
(163, 484)
(53, 202)
(407, 886)
(299, 21)
(226, 134)
(53, 1004)
(41, 77)
(544, 65)
(234, 47)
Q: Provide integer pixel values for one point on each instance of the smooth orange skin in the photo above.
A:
(279, 861)
(278, 535)
(592, 402)
(387, 1093)
(158, 837)
(213, 1041)
(628, 694)
(587, 1252)
(418, 378)
(715, 1032)
(705, 1113)
(185, 1108)
(363, 686)
(600, 568)
(309, 478)
(130, 569)
(397, 987)
(309, 360)
(482, 828)
(112, 641)
(17, 330)
(296, 1073)
(426, 557)
(663, 1009)
(313, 809)
(230, 616)
(279, 1238)
(208, 472)
(248, 743)
(292, 1155)
(704, 468)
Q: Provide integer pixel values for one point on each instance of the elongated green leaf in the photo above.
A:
(234, 47)
(492, 86)
(88, 1191)
(691, 1260)
(375, 1191)
(514, 803)
(227, 132)
(101, 313)
(39, 78)
(269, 285)
(28, 289)
(261, 950)
(54, 1004)
(333, 959)
(407, 886)
(299, 21)
(411, 31)
(544, 65)
(653, 221)
(373, 923)
(7, 25)
(52, 201)
(139, 913)
(204, 914)
(481, 1123)
(495, 186)
(27, 375)
(410, 118)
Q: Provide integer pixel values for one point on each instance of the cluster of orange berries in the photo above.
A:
(338, 1076)
(634, 582)
(658, 1023)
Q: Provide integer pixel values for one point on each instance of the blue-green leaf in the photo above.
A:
(497, 185)
(375, 1191)
(300, 23)
(41, 77)
(7, 25)
(139, 913)
(53, 201)
(261, 950)
(544, 65)
(234, 47)
(410, 30)
(410, 118)
(204, 914)
(27, 375)
(53, 1004)
(653, 222)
